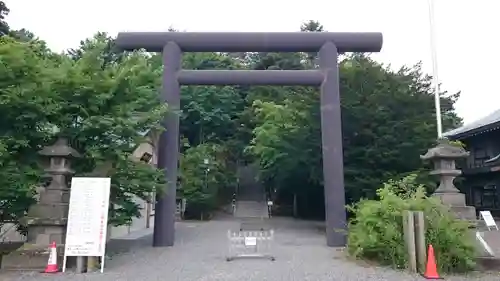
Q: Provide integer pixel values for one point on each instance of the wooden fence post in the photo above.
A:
(420, 240)
(409, 234)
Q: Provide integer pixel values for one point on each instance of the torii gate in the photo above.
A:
(328, 44)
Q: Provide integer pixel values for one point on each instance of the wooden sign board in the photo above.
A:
(87, 218)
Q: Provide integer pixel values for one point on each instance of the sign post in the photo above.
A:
(490, 223)
(87, 218)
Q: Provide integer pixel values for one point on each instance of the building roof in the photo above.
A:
(488, 123)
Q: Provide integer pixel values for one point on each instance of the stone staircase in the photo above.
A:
(251, 209)
(251, 197)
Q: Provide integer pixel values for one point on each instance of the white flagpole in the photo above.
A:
(435, 79)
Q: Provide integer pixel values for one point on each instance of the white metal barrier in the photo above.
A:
(250, 244)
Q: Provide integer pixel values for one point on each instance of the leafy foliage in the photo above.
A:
(205, 174)
(376, 231)
(26, 104)
(210, 113)
(387, 119)
(107, 106)
(209, 121)
(4, 27)
(102, 106)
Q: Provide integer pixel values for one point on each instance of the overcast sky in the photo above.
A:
(464, 28)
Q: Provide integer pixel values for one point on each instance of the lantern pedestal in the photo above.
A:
(457, 204)
(47, 219)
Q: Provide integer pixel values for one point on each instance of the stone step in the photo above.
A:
(251, 209)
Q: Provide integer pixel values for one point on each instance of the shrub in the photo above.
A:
(376, 231)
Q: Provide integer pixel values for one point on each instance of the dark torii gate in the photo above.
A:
(328, 44)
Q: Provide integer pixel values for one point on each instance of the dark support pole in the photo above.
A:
(331, 138)
(168, 149)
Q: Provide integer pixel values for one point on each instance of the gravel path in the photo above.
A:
(199, 255)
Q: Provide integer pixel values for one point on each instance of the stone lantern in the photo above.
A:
(47, 219)
(443, 156)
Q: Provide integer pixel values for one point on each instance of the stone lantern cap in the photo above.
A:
(59, 149)
(445, 150)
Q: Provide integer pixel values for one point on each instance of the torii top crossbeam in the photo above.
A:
(251, 41)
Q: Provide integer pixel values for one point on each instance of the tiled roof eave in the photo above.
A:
(477, 131)
(485, 124)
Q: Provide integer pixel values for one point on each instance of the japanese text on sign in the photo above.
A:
(87, 217)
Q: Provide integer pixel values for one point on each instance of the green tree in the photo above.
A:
(4, 11)
(388, 120)
(22, 34)
(209, 122)
(209, 112)
(103, 106)
(108, 104)
(205, 176)
(27, 102)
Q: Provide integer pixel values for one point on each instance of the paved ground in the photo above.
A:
(200, 250)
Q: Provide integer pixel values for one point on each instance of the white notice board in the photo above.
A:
(87, 218)
(250, 241)
(488, 219)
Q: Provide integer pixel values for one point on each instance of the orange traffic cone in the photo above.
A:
(431, 267)
(52, 262)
